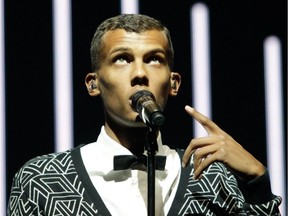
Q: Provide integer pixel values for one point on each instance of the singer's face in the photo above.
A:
(131, 62)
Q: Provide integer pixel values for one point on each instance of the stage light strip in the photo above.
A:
(62, 75)
(274, 116)
(201, 93)
(2, 116)
(129, 7)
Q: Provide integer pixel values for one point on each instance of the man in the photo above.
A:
(214, 176)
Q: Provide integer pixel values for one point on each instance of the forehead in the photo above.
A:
(146, 39)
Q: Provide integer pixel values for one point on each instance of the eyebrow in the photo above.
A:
(158, 50)
(120, 49)
(127, 49)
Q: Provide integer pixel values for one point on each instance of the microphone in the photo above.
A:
(144, 103)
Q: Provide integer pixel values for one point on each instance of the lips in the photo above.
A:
(133, 93)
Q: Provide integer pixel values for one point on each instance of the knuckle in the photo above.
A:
(205, 120)
(197, 154)
(222, 144)
(222, 152)
(221, 137)
(193, 142)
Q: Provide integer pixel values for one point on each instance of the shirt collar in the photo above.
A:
(98, 156)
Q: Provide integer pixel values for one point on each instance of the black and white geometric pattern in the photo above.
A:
(49, 185)
(215, 186)
(217, 193)
(57, 184)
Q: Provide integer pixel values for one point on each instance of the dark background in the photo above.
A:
(237, 29)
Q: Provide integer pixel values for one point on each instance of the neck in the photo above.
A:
(132, 138)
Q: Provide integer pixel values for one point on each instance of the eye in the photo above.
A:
(155, 60)
(121, 60)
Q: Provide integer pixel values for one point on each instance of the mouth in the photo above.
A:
(130, 102)
(132, 97)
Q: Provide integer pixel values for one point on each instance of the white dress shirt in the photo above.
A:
(125, 192)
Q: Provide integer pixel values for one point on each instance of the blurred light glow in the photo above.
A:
(129, 7)
(274, 117)
(62, 75)
(200, 63)
(2, 116)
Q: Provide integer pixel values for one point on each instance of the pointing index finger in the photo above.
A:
(208, 124)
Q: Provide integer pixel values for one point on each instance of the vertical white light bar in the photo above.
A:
(200, 63)
(274, 117)
(62, 75)
(129, 7)
(2, 116)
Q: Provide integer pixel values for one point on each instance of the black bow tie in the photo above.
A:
(122, 162)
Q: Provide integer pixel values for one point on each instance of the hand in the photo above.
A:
(219, 146)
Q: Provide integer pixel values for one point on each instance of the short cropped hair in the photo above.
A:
(130, 23)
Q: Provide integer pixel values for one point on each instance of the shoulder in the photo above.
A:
(48, 164)
(41, 161)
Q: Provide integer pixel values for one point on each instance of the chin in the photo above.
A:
(138, 123)
(134, 122)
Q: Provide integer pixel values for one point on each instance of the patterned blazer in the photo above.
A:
(58, 184)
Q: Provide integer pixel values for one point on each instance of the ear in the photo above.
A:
(91, 83)
(175, 80)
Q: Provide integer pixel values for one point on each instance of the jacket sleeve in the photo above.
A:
(259, 198)
(219, 192)
(252, 197)
(19, 202)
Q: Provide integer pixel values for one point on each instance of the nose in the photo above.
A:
(139, 75)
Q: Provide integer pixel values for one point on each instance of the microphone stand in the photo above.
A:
(151, 148)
